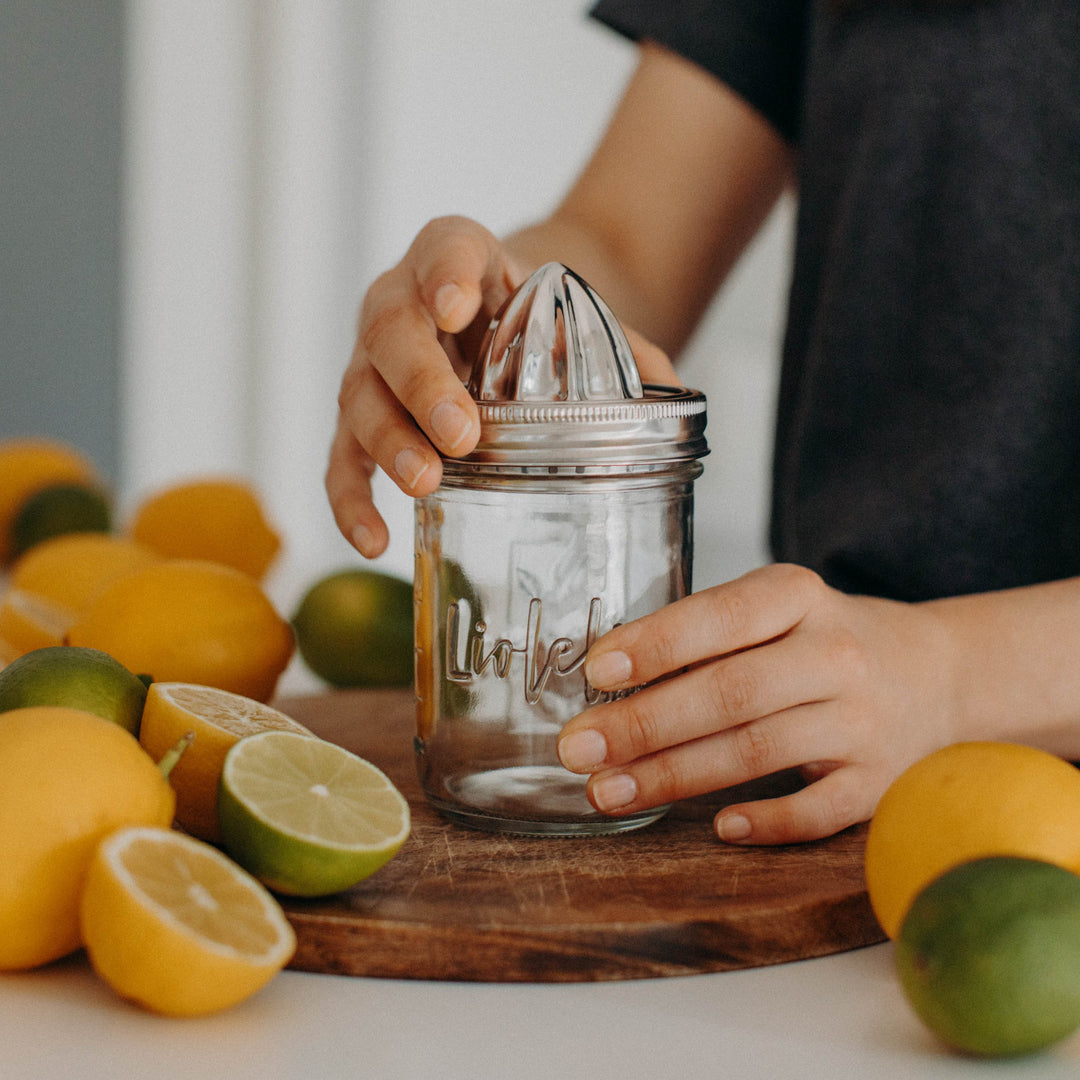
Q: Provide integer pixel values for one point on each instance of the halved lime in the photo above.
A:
(305, 816)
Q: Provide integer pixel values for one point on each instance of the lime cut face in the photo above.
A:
(305, 816)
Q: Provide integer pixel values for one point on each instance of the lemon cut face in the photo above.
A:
(218, 719)
(307, 817)
(172, 923)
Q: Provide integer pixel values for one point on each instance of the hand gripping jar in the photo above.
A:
(573, 514)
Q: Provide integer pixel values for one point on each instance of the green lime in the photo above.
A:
(78, 677)
(58, 510)
(989, 955)
(305, 816)
(355, 628)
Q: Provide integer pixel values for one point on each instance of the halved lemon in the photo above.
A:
(218, 719)
(175, 925)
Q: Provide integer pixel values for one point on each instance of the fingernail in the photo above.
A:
(447, 297)
(583, 751)
(363, 540)
(731, 828)
(614, 792)
(608, 669)
(450, 424)
(410, 466)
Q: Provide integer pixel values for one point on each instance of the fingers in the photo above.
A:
(753, 609)
(724, 693)
(460, 269)
(654, 365)
(711, 762)
(401, 383)
(820, 809)
(833, 802)
(402, 401)
(348, 487)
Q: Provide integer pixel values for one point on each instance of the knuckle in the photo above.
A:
(354, 385)
(844, 652)
(728, 611)
(667, 779)
(837, 807)
(801, 579)
(754, 749)
(381, 324)
(640, 729)
(735, 691)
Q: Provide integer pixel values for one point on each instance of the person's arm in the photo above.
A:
(683, 178)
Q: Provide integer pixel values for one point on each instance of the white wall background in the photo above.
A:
(281, 153)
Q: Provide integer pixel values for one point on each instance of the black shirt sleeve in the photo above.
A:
(753, 46)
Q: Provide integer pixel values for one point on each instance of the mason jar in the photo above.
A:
(574, 514)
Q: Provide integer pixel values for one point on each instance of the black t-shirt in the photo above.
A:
(928, 424)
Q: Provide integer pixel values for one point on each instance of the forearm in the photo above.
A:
(1015, 664)
(681, 182)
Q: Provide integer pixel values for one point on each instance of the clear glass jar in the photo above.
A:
(573, 514)
(515, 580)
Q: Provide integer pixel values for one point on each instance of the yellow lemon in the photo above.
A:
(67, 779)
(967, 801)
(218, 719)
(176, 926)
(217, 519)
(29, 621)
(27, 466)
(74, 570)
(184, 620)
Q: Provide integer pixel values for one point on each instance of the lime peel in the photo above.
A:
(307, 817)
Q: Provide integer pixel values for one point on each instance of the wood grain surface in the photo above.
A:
(669, 899)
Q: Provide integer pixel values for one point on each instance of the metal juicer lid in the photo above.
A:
(558, 388)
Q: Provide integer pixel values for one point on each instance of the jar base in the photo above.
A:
(532, 800)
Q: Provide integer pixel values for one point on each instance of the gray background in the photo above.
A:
(61, 83)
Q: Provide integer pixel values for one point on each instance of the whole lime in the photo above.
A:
(355, 628)
(76, 677)
(989, 955)
(58, 510)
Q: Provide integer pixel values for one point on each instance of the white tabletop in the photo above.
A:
(837, 1017)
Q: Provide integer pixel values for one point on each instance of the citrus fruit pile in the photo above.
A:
(973, 868)
(89, 799)
(176, 594)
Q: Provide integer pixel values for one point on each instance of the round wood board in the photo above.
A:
(669, 899)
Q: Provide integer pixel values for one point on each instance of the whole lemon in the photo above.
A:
(215, 518)
(189, 620)
(75, 569)
(67, 779)
(966, 801)
(989, 955)
(355, 628)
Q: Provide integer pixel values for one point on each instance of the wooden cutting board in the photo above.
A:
(668, 899)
